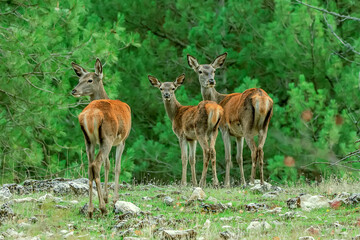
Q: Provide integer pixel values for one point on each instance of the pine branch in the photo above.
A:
(344, 17)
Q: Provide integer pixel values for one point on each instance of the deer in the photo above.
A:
(246, 115)
(104, 122)
(192, 124)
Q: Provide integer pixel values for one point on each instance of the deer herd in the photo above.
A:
(107, 123)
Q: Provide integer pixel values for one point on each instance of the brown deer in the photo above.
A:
(190, 124)
(246, 115)
(104, 122)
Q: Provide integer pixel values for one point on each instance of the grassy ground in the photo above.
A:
(52, 220)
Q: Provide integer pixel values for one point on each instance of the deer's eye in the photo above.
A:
(173, 89)
(90, 81)
(161, 89)
(200, 72)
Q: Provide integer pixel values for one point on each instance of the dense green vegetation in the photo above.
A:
(288, 49)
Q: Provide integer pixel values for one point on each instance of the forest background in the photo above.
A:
(307, 60)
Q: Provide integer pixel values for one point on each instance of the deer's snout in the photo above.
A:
(73, 91)
(211, 81)
(166, 95)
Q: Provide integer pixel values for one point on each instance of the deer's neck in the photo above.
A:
(171, 106)
(211, 94)
(100, 94)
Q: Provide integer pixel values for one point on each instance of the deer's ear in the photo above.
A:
(80, 71)
(219, 61)
(154, 81)
(193, 63)
(98, 68)
(179, 80)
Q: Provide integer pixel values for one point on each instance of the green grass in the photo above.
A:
(180, 216)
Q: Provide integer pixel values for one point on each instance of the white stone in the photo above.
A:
(197, 194)
(68, 235)
(207, 224)
(306, 238)
(5, 194)
(256, 225)
(308, 202)
(275, 210)
(179, 234)
(121, 206)
(212, 199)
(270, 195)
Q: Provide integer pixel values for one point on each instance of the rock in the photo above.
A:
(227, 235)
(253, 207)
(22, 200)
(5, 194)
(15, 188)
(274, 210)
(228, 205)
(306, 238)
(68, 235)
(256, 225)
(293, 203)
(277, 189)
(277, 223)
(197, 194)
(312, 231)
(308, 202)
(33, 220)
(124, 207)
(207, 224)
(73, 202)
(146, 198)
(212, 199)
(135, 238)
(24, 225)
(226, 219)
(178, 234)
(5, 212)
(354, 199)
(288, 215)
(49, 197)
(63, 232)
(168, 201)
(79, 188)
(260, 188)
(84, 209)
(62, 188)
(270, 195)
(226, 227)
(61, 207)
(212, 208)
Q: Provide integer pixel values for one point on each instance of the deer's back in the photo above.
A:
(192, 120)
(244, 111)
(106, 118)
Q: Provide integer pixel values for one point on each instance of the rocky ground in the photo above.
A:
(56, 209)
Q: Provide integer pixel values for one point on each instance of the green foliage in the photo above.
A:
(285, 48)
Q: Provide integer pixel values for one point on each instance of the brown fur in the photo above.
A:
(190, 124)
(105, 123)
(246, 115)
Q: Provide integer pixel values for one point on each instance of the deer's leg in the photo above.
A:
(260, 153)
(107, 168)
(90, 151)
(251, 143)
(119, 152)
(103, 154)
(213, 157)
(239, 157)
(192, 159)
(227, 145)
(206, 158)
(183, 147)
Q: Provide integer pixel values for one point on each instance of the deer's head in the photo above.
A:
(89, 82)
(206, 72)
(167, 89)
